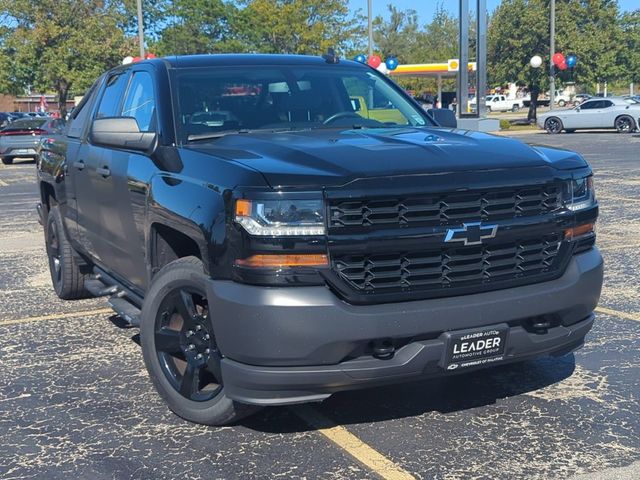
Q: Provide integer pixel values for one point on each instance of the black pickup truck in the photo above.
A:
(276, 242)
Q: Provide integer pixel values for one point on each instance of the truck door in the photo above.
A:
(96, 187)
(76, 154)
(123, 211)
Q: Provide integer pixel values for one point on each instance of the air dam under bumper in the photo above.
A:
(288, 345)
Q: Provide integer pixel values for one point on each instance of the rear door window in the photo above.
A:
(80, 114)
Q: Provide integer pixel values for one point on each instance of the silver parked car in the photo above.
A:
(622, 114)
(21, 138)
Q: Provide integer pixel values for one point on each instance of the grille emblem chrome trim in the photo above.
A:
(471, 233)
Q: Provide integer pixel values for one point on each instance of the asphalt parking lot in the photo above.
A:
(75, 400)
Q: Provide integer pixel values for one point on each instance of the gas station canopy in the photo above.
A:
(431, 70)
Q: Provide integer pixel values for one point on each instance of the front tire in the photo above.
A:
(67, 279)
(561, 103)
(624, 124)
(179, 346)
(7, 160)
(553, 125)
(515, 108)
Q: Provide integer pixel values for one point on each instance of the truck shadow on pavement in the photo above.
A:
(442, 395)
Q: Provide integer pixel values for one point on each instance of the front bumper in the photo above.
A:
(298, 344)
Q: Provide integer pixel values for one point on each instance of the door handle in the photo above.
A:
(79, 165)
(104, 171)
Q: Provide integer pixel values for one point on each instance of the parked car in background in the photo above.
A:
(5, 119)
(22, 137)
(580, 98)
(612, 112)
(500, 103)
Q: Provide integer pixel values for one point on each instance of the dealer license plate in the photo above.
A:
(24, 150)
(474, 347)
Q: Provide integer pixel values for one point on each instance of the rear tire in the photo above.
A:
(561, 103)
(67, 279)
(179, 346)
(7, 160)
(553, 125)
(515, 108)
(624, 124)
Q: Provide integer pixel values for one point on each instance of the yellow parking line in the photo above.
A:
(351, 444)
(3, 183)
(56, 316)
(616, 313)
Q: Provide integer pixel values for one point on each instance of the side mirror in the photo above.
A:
(443, 117)
(121, 132)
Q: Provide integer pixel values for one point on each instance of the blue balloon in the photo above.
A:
(360, 58)
(392, 63)
(571, 61)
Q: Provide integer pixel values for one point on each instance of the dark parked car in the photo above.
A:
(21, 138)
(276, 243)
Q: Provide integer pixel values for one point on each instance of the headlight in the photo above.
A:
(579, 193)
(281, 217)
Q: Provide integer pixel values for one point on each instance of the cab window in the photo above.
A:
(140, 102)
(112, 96)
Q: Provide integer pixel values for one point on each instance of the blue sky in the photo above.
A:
(425, 8)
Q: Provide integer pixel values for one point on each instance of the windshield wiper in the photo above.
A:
(213, 135)
(224, 133)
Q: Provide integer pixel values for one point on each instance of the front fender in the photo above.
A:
(194, 208)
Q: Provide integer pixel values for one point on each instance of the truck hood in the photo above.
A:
(331, 157)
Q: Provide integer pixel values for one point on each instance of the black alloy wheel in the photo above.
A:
(53, 251)
(179, 346)
(553, 125)
(186, 346)
(64, 264)
(624, 124)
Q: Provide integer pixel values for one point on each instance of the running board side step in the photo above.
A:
(125, 310)
(123, 301)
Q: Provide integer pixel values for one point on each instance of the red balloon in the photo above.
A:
(563, 65)
(558, 58)
(150, 55)
(374, 61)
(136, 59)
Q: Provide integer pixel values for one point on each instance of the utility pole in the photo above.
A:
(141, 29)
(370, 25)
(552, 51)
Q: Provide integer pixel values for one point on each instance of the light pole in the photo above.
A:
(369, 26)
(552, 51)
(534, 89)
(140, 29)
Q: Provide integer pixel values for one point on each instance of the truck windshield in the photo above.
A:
(215, 100)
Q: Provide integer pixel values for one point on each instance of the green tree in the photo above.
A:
(399, 36)
(200, 26)
(298, 26)
(630, 55)
(58, 44)
(519, 29)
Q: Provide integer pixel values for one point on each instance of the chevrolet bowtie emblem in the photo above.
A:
(471, 233)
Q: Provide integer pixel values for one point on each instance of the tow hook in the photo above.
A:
(383, 349)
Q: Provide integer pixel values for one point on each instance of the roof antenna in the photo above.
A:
(330, 56)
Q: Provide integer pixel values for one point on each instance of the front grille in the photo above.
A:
(446, 268)
(445, 208)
